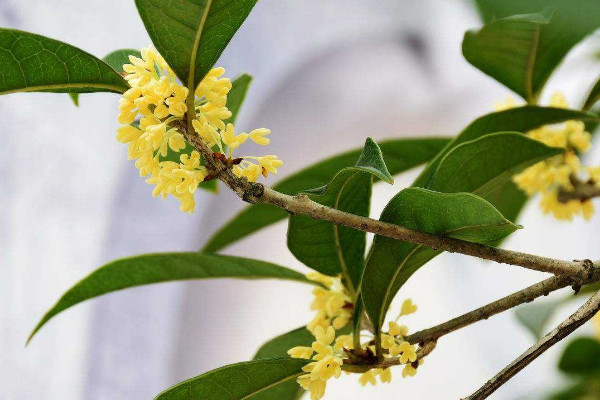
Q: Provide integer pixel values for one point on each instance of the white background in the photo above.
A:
(327, 74)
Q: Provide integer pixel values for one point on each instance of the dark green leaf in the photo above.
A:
(535, 316)
(192, 34)
(390, 263)
(400, 155)
(519, 119)
(479, 166)
(34, 63)
(166, 267)
(246, 380)
(278, 347)
(506, 49)
(572, 20)
(329, 248)
(581, 357)
(116, 60)
(593, 96)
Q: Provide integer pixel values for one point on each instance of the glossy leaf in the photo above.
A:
(535, 316)
(245, 380)
(115, 60)
(506, 50)
(329, 248)
(192, 34)
(400, 155)
(458, 215)
(581, 357)
(278, 347)
(518, 119)
(34, 63)
(572, 21)
(482, 164)
(593, 96)
(166, 267)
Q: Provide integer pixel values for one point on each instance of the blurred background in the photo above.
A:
(327, 74)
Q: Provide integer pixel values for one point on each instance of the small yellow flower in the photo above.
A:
(408, 307)
(368, 377)
(397, 330)
(258, 136)
(410, 370)
(343, 342)
(301, 352)
(385, 375)
(409, 353)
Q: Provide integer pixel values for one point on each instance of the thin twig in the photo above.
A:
(582, 190)
(301, 204)
(526, 295)
(581, 316)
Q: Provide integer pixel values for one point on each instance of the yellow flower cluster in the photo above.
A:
(550, 176)
(333, 304)
(152, 112)
(334, 310)
(327, 362)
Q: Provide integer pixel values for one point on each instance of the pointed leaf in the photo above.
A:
(518, 119)
(329, 248)
(481, 165)
(34, 63)
(246, 380)
(572, 21)
(400, 155)
(192, 34)
(458, 215)
(506, 49)
(166, 267)
(535, 316)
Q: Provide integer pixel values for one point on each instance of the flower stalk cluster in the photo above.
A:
(330, 354)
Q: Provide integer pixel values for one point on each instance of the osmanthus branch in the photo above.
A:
(301, 204)
(526, 295)
(581, 316)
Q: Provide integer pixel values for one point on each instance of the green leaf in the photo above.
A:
(481, 165)
(572, 21)
(518, 119)
(593, 96)
(587, 388)
(116, 60)
(246, 380)
(166, 267)
(278, 347)
(535, 316)
(506, 50)
(459, 215)
(192, 34)
(329, 248)
(581, 357)
(34, 63)
(400, 155)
